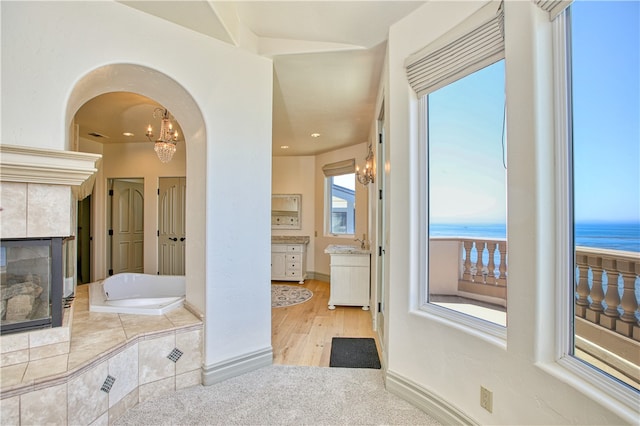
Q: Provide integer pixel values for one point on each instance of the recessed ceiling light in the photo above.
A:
(284, 146)
(127, 134)
(315, 135)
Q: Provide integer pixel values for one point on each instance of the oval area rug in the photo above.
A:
(288, 295)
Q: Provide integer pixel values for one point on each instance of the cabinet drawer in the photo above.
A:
(295, 258)
(296, 248)
(294, 266)
(294, 274)
(278, 248)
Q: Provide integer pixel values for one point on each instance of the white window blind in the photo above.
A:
(339, 168)
(554, 7)
(474, 44)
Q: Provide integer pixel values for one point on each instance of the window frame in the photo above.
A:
(565, 245)
(492, 332)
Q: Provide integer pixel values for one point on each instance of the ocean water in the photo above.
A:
(613, 236)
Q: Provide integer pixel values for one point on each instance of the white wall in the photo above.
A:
(296, 175)
(449, 361)
(222, 97)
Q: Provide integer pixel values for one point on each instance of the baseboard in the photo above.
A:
(431, 404)
(236, 366)
(318, 276)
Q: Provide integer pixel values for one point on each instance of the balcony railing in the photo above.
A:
(606, 298)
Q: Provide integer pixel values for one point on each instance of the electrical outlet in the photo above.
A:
(486, 399)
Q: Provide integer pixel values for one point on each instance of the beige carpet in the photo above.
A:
(283, 395)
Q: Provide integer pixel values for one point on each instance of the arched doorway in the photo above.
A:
(166, 91)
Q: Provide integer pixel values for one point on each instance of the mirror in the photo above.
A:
(285, 211)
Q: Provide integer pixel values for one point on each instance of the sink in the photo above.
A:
(345, 249)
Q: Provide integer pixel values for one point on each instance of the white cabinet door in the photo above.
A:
(278, 265)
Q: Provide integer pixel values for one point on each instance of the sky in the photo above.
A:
(606, 89)
(466, 172)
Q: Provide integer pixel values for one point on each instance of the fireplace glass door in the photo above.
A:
(30, 284)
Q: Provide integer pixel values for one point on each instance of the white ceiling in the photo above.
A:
(327, 58)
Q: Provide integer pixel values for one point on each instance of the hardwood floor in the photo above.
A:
(301, 334)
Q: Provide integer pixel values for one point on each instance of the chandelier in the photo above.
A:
(366, 175)
(165, 145)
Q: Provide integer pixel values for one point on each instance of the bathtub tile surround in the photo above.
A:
(67, 388)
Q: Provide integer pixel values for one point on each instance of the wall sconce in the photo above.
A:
(366, 175)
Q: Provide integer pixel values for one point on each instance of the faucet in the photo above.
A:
(363, 241)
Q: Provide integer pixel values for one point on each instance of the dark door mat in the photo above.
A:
(354, 352)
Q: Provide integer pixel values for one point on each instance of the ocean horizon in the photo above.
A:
(623, 236)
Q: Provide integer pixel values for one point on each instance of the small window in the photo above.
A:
(341, 204)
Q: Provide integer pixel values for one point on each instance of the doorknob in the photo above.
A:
(182, 238)
(173, 239)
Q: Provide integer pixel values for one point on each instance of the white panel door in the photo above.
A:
(171, 225)
(127, 226)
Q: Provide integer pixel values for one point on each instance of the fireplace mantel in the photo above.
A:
(39, 189)
(37, 165)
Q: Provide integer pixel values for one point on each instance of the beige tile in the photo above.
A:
(157, 388)
(16, 357)
(12, 375)
(48, 210)
(103, 420)
(47, 351)
(188, 379)
(13, 218)
(86, 401)
(137, 325)
(124, 367)
(153, 362)
(49, 336)
(44, 406)
(46, 367)
(181, 317)
(14, 342)
(10, 411)
(85, 351)
(190, 343)
(126, 403)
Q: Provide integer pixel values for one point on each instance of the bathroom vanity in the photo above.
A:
(350, 283)
(289, 258)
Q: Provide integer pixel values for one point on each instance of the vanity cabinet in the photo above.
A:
(289, 259)
(350, 283)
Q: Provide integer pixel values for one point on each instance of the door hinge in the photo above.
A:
(111, 232)
(110, 271)
(379, 137)
(158, 232)
(380, 194)
(158, 191)
(379, 250)
(379, 307)
(111, 193)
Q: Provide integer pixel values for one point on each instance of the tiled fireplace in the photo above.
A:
(38, 192)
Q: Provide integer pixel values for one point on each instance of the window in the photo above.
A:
(460, 82)
(341, 204)
(605, 154)
(467, 195)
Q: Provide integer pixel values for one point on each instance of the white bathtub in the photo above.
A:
(140, 294)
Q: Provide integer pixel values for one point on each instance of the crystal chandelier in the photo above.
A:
(366, 175)
(165, 145)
